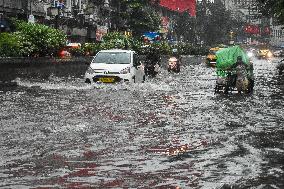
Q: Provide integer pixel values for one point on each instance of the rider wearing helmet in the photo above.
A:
(152, 62)
(241, 73)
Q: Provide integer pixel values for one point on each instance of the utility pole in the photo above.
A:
(3, 7)
(31, 12)
(31, 18)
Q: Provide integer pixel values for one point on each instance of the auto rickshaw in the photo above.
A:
(226, 74)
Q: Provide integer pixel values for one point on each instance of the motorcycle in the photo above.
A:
(173, 65)
(151, 68)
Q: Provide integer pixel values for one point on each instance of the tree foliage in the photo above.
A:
(10, 45)
(31, 40)
(137, 15)
(186, 27)
(214, 22)
(272, 8)
(40, 39)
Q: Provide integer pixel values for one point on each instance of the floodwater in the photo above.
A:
(169, 132)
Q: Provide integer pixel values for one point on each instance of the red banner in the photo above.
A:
(252, 29)
(255, 29)
(180, 5)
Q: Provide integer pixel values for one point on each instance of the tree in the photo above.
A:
(136, 15)
(38, 39)
(186, 27)
(272, 8)
(214, 22)
(10, 45)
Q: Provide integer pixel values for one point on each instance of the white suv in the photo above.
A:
(109, 66)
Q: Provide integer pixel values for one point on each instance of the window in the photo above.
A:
(112, 58)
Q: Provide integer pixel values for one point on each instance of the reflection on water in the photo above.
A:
(170, 132)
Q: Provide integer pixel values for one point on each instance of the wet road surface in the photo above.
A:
(170, 132)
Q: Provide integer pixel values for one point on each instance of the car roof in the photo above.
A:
(116, 50)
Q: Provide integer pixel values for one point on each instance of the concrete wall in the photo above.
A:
(43, 67)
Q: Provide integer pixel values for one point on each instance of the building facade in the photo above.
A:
(277, 37)
(78, 18)
(21, 8)
(257, 28)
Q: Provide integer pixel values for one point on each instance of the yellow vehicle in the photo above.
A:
(211, 57)
(264, 53)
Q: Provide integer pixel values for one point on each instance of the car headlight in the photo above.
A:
(269, 54)
(250, 54)
(125, 70)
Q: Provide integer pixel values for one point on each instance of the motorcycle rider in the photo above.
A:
(174, 62)
(241, 73)
(250, 77)
(152, 63)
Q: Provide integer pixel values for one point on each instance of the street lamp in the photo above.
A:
(231, 37)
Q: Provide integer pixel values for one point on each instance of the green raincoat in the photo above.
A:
(227, 57)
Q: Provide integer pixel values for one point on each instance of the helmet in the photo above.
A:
(239, 58)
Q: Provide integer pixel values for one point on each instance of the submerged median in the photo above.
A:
(44, 60)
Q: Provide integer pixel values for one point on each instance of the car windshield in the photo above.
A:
(112, 58)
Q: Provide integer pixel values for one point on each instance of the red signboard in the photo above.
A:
(252, 29)
(180, 5)
(255, 29)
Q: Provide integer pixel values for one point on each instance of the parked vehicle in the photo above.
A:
(110, 66)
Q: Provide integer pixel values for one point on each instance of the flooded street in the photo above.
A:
(58, 132)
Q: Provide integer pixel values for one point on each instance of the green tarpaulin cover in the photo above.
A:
(228, 57)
